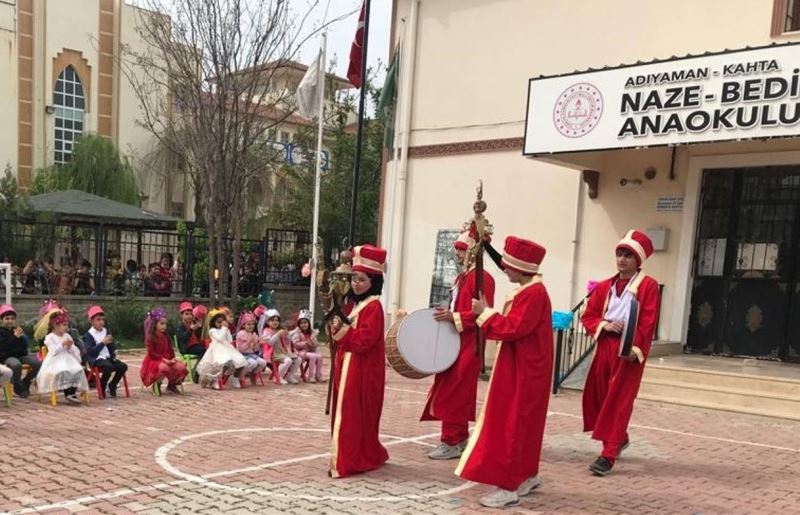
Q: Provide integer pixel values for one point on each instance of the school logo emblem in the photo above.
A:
(578, 110)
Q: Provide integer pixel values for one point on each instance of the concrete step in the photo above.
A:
(720, 379)
(742, 393)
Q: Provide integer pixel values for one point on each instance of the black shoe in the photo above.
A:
(92, 382)
(195, 377)
(112, 391)
(601, 466)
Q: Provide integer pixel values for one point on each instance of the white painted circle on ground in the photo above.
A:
(162, 453)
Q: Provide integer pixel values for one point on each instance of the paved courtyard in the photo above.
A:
(264, 450)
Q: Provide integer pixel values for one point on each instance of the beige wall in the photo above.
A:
(8, 86)
(525, 198)
(473, 61)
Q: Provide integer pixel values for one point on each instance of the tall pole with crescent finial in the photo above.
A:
(479, 230)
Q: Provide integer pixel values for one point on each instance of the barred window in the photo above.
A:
(70, 105)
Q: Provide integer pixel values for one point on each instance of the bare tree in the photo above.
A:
(209, 77)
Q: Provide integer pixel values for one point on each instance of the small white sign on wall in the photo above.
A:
(669, 204)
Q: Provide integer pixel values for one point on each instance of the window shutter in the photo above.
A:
(778, 17)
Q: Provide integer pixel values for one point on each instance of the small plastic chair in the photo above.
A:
(190, 359)
(156, 389)
(7, 394)
(95, 373)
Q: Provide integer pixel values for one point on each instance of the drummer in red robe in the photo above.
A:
(506, 444)
(613, 380)
(452, 396)
(360, 377)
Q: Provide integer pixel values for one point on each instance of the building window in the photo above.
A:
(285, 137)
(272, 134)
(792, 21)
(70, 105)
(177, 210)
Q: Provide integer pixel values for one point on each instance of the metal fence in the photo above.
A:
(92, 259)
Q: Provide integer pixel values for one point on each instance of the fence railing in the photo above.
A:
(573, 345)
(83, 259)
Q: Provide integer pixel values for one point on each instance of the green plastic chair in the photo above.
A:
(7, 394)
(190, 359)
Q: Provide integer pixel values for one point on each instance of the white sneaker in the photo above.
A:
(500, 498)
(215, 385)
(293, 380)
(284, 381)
(235, 382)
(312, 381)
(529, 485)
(447, 452)
(73, 399)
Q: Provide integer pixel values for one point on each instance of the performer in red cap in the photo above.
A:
(506, 443)
(452, 396)
(360, 376)
(613, 380)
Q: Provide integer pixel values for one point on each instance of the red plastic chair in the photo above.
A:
(95, 373)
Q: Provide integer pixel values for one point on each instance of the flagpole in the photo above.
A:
(360, 133)
(312, 293)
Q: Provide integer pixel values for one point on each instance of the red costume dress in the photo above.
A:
(358, 386)
(153, 367)
(613, 383)
(452, 396)
(506, 443)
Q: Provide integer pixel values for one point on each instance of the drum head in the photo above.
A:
(427, 345)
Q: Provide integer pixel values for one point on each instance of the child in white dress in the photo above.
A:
(221, 360)
(61, 369)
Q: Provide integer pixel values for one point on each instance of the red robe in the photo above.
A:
(613, 383)
(506, 444)
(452, 396)
(358, 386)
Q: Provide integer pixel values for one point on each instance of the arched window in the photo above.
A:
(69, 104)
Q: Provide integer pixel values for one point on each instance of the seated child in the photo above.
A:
(61, 369)
(160, 360)
(102, 351)
(277, 348)
(247, 343)
(221, 359)
(189, 333)
(14, 351)
(305, 345)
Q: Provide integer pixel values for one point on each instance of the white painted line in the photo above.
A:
(692, 435)
(123, 492)
(162, 453)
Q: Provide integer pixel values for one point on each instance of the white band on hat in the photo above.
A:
(523, 266)
(368, 263)
(635, 246)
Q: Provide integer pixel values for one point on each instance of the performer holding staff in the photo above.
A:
(621, 314)
(359, 375)
(452, 396)
(506, 444)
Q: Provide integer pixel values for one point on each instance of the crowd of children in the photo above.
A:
(66, 362)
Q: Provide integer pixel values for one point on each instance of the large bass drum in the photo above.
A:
(418, 346)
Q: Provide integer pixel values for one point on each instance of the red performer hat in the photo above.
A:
(523, 255)
(369, 259)
(93, 312)
(185, 306)
(464, 241)
(638, 243)
(7, 309)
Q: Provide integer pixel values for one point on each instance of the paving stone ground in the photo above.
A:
(264, 450)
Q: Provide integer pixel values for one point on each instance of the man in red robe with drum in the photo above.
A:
(506, 444)
(624, 305)
(360, 377)
(452, 396)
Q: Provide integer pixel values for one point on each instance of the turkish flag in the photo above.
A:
(356, 50)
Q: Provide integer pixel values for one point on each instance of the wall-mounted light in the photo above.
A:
(49, 109)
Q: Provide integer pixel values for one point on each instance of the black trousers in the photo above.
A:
(107, 368)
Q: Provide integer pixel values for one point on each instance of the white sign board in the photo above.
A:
(741, 94)
(669, 204)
